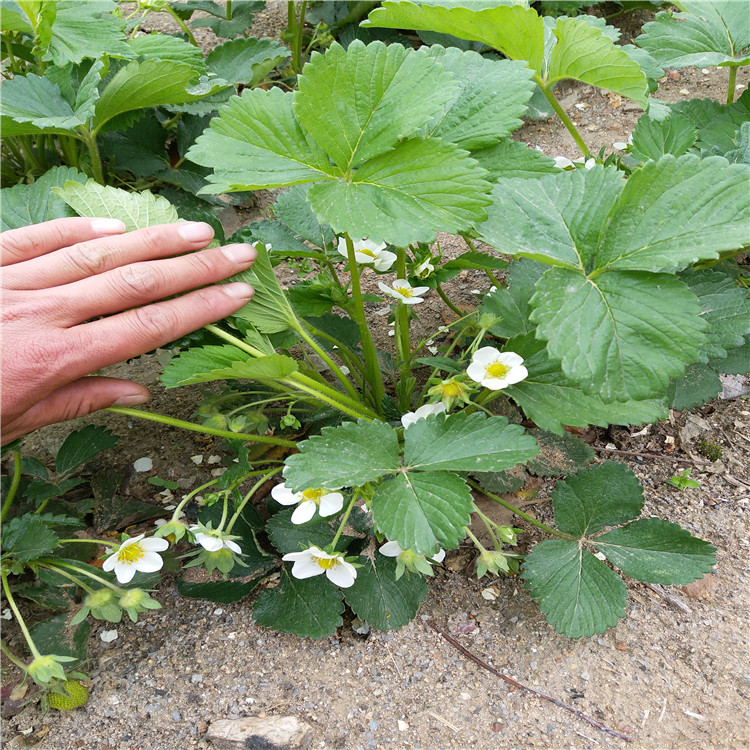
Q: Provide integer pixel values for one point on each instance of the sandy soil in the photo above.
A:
(666, 677)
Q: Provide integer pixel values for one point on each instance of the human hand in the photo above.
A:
(60, 274)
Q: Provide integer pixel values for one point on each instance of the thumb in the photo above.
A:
(76, 399)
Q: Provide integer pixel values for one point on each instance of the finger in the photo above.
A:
(95, 256)
(77, 399)
(22, 244)
(140, 283)
(134, 332)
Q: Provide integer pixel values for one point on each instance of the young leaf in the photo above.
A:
(28, 538)
(22, 205)
(423, 511)
(577, 592)
(707, 33)
(345, 456)
(603, 495)
(657, 551)
(466, 442)
(309, 608)
(171, 49)
(653, 138)
(379, 599)
(247, 61)
(136, 210)
(81, 446)
(223, 21)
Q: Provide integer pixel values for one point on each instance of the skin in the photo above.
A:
(81, 294)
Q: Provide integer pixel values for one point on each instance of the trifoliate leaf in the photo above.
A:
(476, 116)
(379, 599)
(551, 400)
(309, 608)
(22, 205)
(603, 495)
(653, 138)
(293, 210)
(27, 538)
(708, 33)
(508, 158)
(224, 22)
(247, 61)
(559, 454)
(657, 551)
(38, 101)
(170, 48)
(577, 592)
(642, 330)
(466, 442)
(345, 456)
(423, 511)
(81, 446)
(699, 385)
(136, 210)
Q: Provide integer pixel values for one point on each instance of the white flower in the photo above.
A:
(424, 411)
(367, 253)
(136, 554)
(588, 163)
(562, 161)
(408, 559)
(620, 145)
(213, 541)
(495, 369)
(313, 561)
(424, 269)
(404, 292)
(327, 502)
(393, 549)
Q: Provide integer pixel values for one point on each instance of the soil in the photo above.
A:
(668, 677)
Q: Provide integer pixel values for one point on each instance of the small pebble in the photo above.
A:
(684, 92)
(585, 675)
(143, 464)
(176, 716)
(197, 459)
(402, 726)
(108, 635)
(196, 678)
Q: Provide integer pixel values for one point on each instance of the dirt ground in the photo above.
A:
(670, 678)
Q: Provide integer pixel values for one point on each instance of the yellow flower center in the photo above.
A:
(131, 554)
(404, 291)
(451, 388)
(314, 495)
(498, 370)
(326, 562)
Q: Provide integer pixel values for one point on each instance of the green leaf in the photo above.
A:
(577, 592)
(466, 442)
(699, 385)
(380, 600)
(53, 636)
(293, 209)
(247, 61)
(423, 511)
(144, 84)
(309, 608)
(559, 454)
(220, 592)
(603, 495)
(228, 23)
(292, 537)
(653, 138)
(86, 30)
(476, 260)
(207, 363)
(476, 116)
(657, 551)
(141, 148)
(22, 205)
(345, 456)
(81, 446)
(709, 33)
(171, 49)
(28, 538)
(365, 86)
(38, 101)
(406, 195)
(269, 309)
(737, 361)
(57, 597)
(508, 158)
(136, 210)
(642, 330)
(552, 400)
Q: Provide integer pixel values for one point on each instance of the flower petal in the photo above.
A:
(439, 557)
(343, 574)
(109, 564)
(331, 503)
(306, 569)
(516, 375)
(284, 496)
(210, 543)
(149, 563)
(233, 546)
(124, 572)
(391, 549)
(154, 544)
(304, 512)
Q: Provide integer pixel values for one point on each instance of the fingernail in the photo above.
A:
(239, 253)
(238, 290)
(196, 231)
(107, 226)
(132, 399)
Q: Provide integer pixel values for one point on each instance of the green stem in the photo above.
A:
(476, 541)
(169, 9)
(69, 576)
(238, 510)
(30, 156)
(138, 24)
(349, 357)
(70, 150)
(732, 84)
(89, 139)
(344, 520)
(444, 297)
(565, 119)
(488, 524)
(189, 497)
(403, 342)
(76, 540)
(21, 624)
(374, 377)
(11, 656)
(229, 10)
(13, 485)
(350, 389)
(86, 573)
(201, 428)
(224, 510)
(520, 513)
(493, 279)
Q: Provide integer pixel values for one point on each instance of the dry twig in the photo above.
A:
(670, 598)
(663, 457)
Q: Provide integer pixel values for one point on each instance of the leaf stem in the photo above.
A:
(126, 411)
(11, 656)
(96, 162)
(344, 520)
(86, 573)
(19, 619)
(238, 510)
(565, 119)
(169, 9)
(350, 389)
(13, 485)
(69, 576)
(444, 297)
(732, 83)
(519, 512)
(402, 336)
